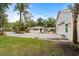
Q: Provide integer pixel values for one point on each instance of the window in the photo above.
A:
(66, 27)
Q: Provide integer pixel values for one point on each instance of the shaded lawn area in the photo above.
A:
(13, 46)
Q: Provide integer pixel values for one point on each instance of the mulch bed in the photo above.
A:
(68, 48)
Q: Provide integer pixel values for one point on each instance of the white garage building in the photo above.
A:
(36, 29)
(64, 24)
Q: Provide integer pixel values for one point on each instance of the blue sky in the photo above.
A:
(43, 10)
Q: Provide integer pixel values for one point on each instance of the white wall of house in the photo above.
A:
(78, 28)
(66, 17)
(68, 20)
(71, 28)
(60, 28)
(36, 29)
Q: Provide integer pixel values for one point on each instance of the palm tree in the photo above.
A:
(3, 8)
(22, 8)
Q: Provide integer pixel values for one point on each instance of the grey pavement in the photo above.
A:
(34, 35)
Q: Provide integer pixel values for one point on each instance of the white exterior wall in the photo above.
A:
(65, 16)
(78, 28)
(68, 20)
(34, 31)
(60, 28)
(71, 28)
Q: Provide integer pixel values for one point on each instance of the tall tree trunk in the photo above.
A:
(75, 30)
(75, 16)
(3, 26)
(3, 30)
(20, 22)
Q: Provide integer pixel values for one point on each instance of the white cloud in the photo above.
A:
(43, 16)
(13, 16)
(37, 16)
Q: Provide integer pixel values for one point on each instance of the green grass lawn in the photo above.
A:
(13, 46)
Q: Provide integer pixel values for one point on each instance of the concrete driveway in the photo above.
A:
(34, 35)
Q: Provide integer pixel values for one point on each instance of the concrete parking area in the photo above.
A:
(34, 35)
